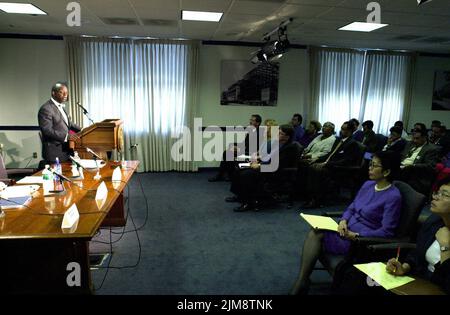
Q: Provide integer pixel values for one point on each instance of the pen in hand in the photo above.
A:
(396, 259)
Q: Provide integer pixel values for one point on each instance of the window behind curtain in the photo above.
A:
(363, 85)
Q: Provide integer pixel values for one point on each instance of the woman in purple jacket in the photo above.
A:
(375, 212)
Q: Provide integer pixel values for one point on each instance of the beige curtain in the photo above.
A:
(151, 85)
(73, 55)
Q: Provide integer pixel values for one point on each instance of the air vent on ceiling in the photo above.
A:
(406, 37)
(120, 21)
(274, 1)
(154, 22)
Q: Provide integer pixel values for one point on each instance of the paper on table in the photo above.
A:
(377, 271)
(91, 163)
(18, 191)
(15, 202)
(244, 165)
(31, 180)
(320, 222)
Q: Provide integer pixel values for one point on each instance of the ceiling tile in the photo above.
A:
(255, 7)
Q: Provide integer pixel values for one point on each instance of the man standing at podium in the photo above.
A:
(55, 125)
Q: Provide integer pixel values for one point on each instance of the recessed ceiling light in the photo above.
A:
(22, 8)
(362, 27)
(201, 16)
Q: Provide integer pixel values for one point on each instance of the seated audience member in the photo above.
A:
(420, 126)
(296, 122)
(247, 183)
(375, 212)
(403, 134)
(435, 124)
(440, 138)
(358, 135)
(227, 164)
(267, 144)
(345, 152)
(311, 133)
(418, 161)
(369, 140)
(395, 142)
(430, 260)
(320, 146)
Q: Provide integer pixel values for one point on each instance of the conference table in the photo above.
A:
(37, 255)
(418, 287)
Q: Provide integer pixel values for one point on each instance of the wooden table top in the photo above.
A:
(43, 217)
(418, 287)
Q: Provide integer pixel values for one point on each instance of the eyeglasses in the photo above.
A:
(373, 165)
(439, 194)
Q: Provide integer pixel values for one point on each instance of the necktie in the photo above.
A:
(334, 151)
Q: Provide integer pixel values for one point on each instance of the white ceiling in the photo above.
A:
(315, 21)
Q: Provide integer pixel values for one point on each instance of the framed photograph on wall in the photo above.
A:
(244, 83)
(441, 91)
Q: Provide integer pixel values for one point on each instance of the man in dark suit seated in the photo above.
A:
(418, 161)
(441, 139)
(228, 165)
(345, 152)
(369, 139)
(247, 184)
(395, 141)
(55, 125)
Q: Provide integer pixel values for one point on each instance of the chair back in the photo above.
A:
(381, 141)
(412, 204)
(3, 173)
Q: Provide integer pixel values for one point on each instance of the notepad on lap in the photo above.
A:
(377, 271)
(320, 222)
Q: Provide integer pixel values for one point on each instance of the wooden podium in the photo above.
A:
(102, 137)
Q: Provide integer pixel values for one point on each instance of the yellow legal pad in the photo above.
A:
(320, 222)
(377, 271)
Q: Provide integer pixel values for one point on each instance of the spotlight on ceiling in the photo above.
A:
(420, 2)
(272, 50)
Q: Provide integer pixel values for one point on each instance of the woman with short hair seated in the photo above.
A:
(247, 183)
(375, 212)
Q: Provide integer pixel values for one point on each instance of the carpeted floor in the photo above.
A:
(193, 242)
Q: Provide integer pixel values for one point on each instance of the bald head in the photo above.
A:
(60, 92)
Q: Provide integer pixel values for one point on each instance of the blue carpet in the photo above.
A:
(193, 242)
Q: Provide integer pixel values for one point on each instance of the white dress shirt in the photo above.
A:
(433, 255)
(63, 113)
(410, 160)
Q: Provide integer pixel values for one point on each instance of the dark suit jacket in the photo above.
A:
(54, 131)
(349, 154)
(247, 142)
(416, 258)
(370, 141)
(398, 146)
(427, 158)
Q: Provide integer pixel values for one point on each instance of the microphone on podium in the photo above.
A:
(85, 112)
(96, 156)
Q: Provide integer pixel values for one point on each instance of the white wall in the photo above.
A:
(423, 92)
(28, 69)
